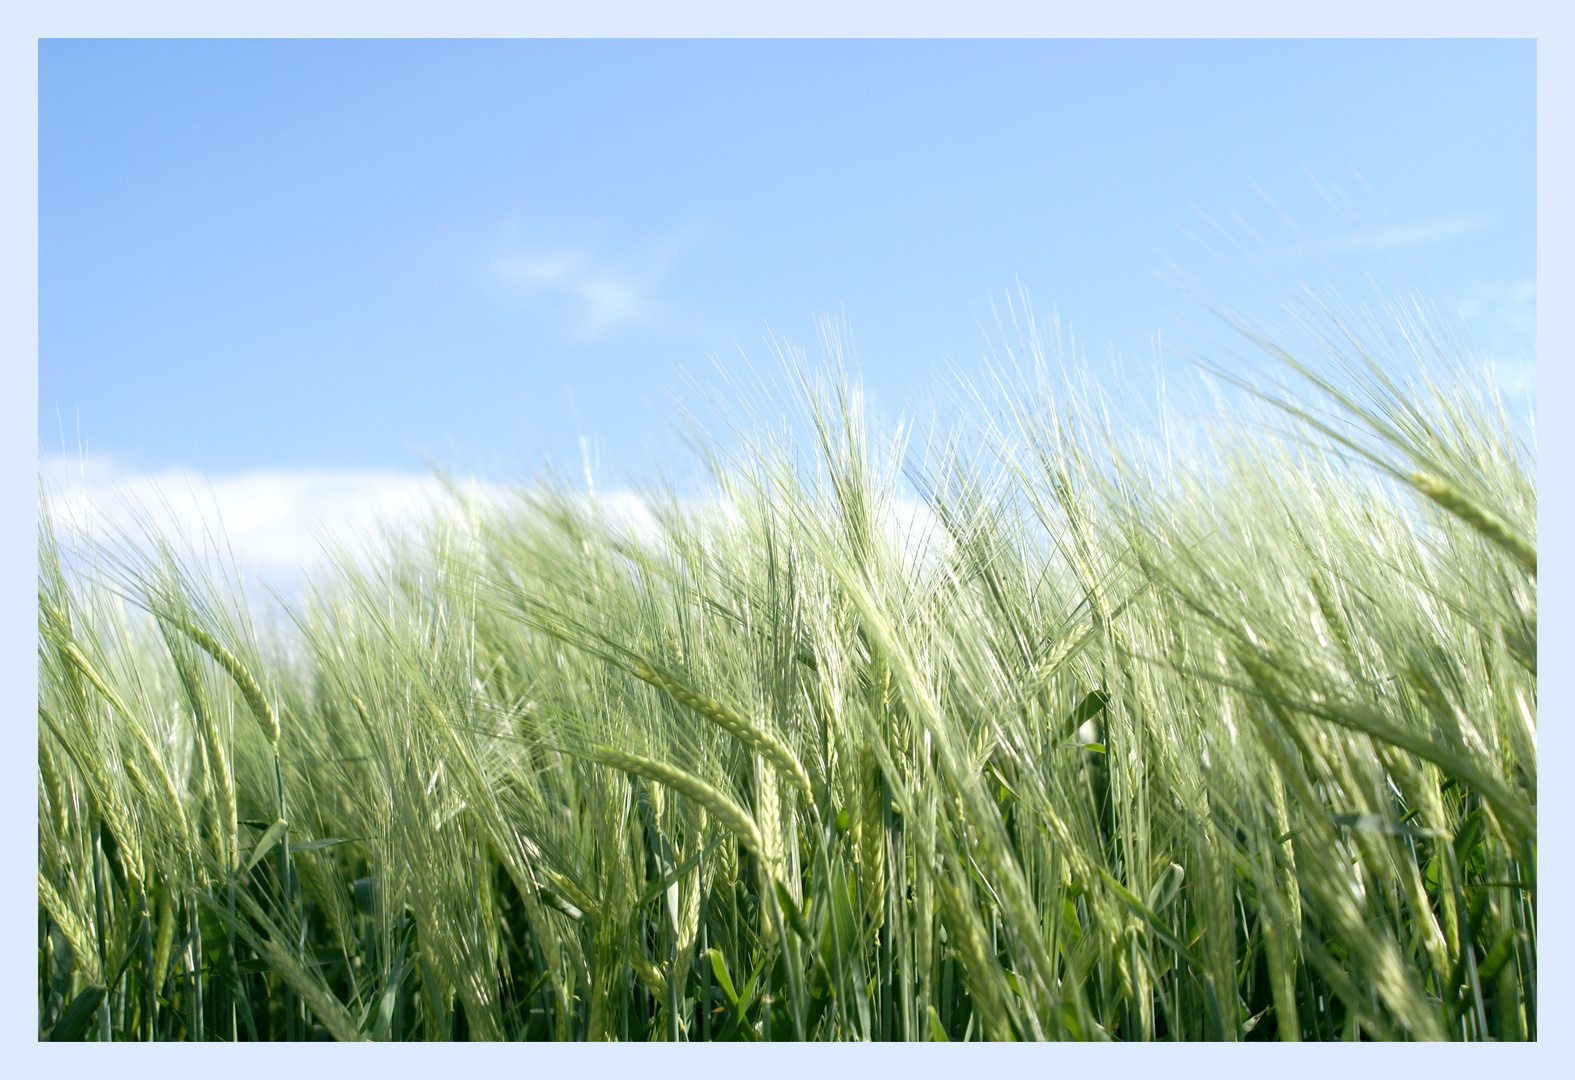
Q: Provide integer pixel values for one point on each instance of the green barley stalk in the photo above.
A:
(1225, 743)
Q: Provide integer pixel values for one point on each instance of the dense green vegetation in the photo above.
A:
(1115, 741)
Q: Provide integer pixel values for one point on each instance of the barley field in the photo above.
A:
(1225, 731)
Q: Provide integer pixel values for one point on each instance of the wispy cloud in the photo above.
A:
(605, 292)
(1517, 380)
(1390, 239)
(1513, 306)
(1503, 322)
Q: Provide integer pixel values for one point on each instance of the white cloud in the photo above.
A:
(913, 530)
(275, 527)
(275, 522)
(1392, 238)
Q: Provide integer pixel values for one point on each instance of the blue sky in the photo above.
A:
(303, 255)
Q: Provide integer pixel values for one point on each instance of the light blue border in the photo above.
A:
(25, 22)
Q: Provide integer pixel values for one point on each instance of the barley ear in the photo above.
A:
(83, 952)
(747, 732)
(729, 813)
(1479, 518)
(255, 701)
(872, 838)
